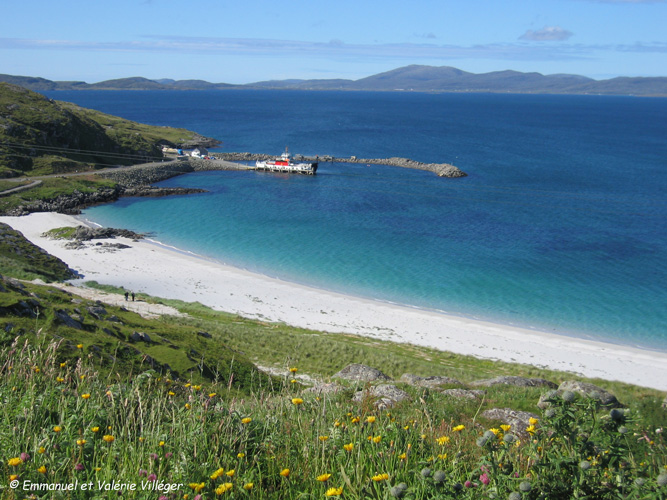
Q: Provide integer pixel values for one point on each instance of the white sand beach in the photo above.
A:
(153, 269)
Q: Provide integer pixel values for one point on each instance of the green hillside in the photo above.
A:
(41, 136)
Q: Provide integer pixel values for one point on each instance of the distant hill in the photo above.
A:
(415, 78)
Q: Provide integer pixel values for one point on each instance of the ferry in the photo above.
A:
(285, 164)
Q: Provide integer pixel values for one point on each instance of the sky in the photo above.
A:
(244, 41)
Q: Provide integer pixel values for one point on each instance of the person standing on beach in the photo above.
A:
(127, 294)
(132, 296)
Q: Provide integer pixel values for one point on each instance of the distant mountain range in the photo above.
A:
(409, 78)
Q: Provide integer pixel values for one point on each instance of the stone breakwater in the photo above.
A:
(440, 169)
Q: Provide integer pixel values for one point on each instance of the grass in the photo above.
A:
(65, 422)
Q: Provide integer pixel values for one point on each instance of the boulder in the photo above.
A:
(68, 321)
(324, 388)
(603, 398)
(97, 312)
(464, 393)
(385, 395)
(432, 382)
(360, 373)
(516, 381)
(519, 420)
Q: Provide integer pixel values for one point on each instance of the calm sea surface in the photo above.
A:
(561, 224)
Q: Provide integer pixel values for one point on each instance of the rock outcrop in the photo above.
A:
(432, 382)
(360, 373)
(602, 397)
(516, 381)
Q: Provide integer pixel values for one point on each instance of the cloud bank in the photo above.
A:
(547, 34)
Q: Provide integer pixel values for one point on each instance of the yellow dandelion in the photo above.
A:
(85, 396)
(14, 461)
(81, 442)
(212, 394)
(336, 423)
(297, 401)
(223, 488)
(334, 492)
(187, 406)
(42, 470)
(370, 419)
(442, 456)
(284, 472)
(161, 443)
(402, 456)
(505, 427)
(13, 477)
(187, 385)
(380, 477)
(41, 450)
(246, 420)
(530, 429)
(57, 428)
(171, 393)
(323, 438)
(63, 364)
(81, 377)
(60, 379)
(240, 455)
(217, 474)
(443, 440)
(95, 429)
(495, 431)
(348, 447)
(248, 486)
(294, 369)
(377, 439)
(459, 428)
(196, 387)
(355, 420)
(533, 421)
(197, 487)
(142, 439)
(108, 438)
(293, 381)
(36, 369)
(323, 478)
(230, 473)
(97, 469)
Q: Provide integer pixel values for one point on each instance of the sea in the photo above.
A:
(560, 225)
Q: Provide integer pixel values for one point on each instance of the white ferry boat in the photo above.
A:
(285, 164)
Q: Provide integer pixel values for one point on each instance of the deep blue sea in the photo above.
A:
(560, 226)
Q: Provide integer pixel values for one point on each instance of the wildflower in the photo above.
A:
(443, 440)
(248, 486)
(484, 478)
(495, 431)
(348, 447)
(60, 380)
(212, 394)
(284, 472)
(530, 429)
(380, 477)
(57, 428)
(223, 488)
(168, 454)
(230, 473)
(161, 443)
(442, 456)
(402, 456)
(108, 438)
(25, 457)
(41, 450)
(79, 467)
(36, 369)
(42, 470)
(187, 385)
(217, 474)
(153, 456)
(246, 420)
(81, 377)
(14, 461)
(377, 439)
(355, 420)
(85, 396)
(323, 478)
(459, 428)
(532, 421)
(143, 473)
(196, 387)
(197, 487)
(81, 442)
(293, 381)
(294, 369)
(468, 484)
(79, 346)
(171, 393)
(63, 364)
(370, 419)
(505, 427)
(152, 477)
(297, 401)
(334, 492)
(323, 438)
(240, 455)
(336, 423)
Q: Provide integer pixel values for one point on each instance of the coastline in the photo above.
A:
(157, 270)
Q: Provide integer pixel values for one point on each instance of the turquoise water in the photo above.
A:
(560, 226)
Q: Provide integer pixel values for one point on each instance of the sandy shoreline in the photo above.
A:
(153, 269)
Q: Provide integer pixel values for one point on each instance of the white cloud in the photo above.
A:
(547, 34)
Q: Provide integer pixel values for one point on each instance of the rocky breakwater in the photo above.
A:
(440, 169)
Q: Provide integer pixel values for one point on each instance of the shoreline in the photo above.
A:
(155, 269)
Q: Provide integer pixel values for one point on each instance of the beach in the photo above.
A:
(147, 267)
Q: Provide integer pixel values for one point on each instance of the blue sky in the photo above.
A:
(243, 41)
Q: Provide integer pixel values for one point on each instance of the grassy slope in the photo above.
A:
(40, 136)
